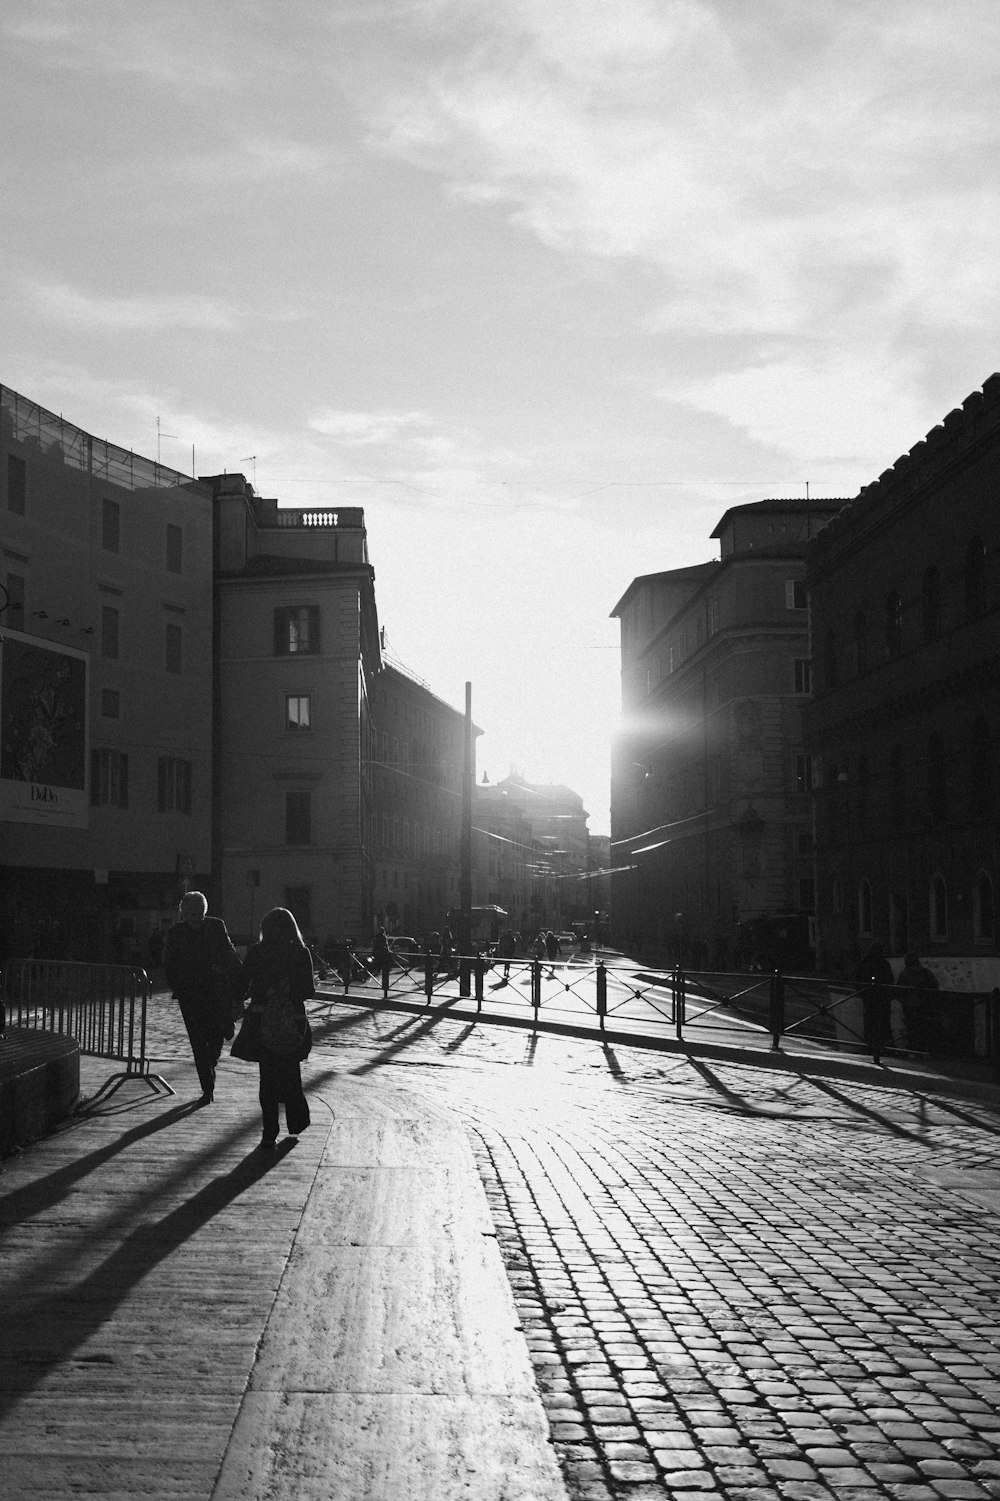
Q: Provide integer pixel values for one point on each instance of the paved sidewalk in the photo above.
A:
(182, 1315)
(734, 1278)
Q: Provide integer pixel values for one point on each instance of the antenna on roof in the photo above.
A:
(160, 434)
(251, 458)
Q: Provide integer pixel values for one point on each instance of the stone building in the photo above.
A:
(417, 762)
(711, 819)
(106, 689)
(297, 651)
(555, 822)
(904, 727)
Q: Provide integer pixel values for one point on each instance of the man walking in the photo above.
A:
(202, 968)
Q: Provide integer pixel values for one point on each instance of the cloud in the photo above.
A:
(365, 428)
(258, 159)
(59, 303)
(774, 166)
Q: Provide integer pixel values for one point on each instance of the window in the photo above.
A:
(296, 630)
(173, 648)
(865, 908)
(110, 525)
(983, 912)
(982, 785)
(802, 776)
(893, 624)
(807, 894)
(938, 907)
(108, 779)
(298, 711)
(937, 779)
(175, 548)
(173, 785)
(298, 815)
(796, 597)
(803, 675)
(975, 572)
(110, 621)
(110, 703)
(930, 604)
(16, 594)
(862, 801)
(17, 484)
(713, 616)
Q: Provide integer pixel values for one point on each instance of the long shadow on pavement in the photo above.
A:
(40, 1332)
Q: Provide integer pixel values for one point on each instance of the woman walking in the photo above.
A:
(280, 979)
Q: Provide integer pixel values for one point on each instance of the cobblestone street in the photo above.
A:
(734, 1280)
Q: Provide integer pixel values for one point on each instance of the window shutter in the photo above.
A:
(280, 631)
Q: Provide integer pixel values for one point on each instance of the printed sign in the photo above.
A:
(43, 732)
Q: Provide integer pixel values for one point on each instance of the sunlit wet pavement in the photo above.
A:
(732, 1279)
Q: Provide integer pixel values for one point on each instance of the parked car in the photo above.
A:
(566, 941)
(406, 951)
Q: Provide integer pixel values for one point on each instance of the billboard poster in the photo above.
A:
(43, 732)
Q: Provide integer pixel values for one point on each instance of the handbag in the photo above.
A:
(246, 1043)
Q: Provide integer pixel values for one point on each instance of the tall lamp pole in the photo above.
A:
(465, 888)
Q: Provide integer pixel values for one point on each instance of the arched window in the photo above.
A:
(937, 779)
(830, 660)
(930, 604)
(981, 768)
(897, 784)
(865, 908)
(975, 577)
(983, 912)
(893, 623)
(938, 907)
(860, 642)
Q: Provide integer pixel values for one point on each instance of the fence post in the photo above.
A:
(777, 1009)
(464, 974)
(602, 993)
(480, 970)
(679, 1007)
(536, 986)
(430, 964)
(385, 979)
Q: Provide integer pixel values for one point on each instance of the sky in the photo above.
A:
(544, 285)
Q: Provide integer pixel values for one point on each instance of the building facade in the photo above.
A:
(106, 689)
(556, 845)
(297, 653)
(904, 727)
(711, 818)
(417, 765)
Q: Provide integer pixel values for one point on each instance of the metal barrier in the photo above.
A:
(102, 1006)
(777, 1008)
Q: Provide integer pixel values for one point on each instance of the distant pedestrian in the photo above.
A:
(280, 978)
(505, 951)
(381, 953)
(553, 949)
(204, 972)
(447, 950)
(538, 947)
(875, 979)
(921, 1011)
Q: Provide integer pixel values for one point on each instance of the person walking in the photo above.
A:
(276, 1032)
(553, 949)
(505, 951)
(921, 1014)
(204, 972)
(874, 979)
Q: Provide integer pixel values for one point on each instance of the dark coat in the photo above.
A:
(196, 960)
(266, 963)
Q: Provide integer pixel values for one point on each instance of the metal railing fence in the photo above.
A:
(102, 1006)
(776, 1008)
